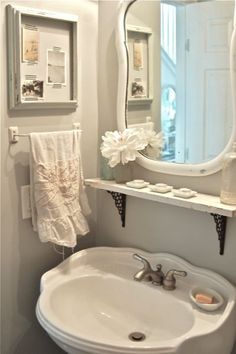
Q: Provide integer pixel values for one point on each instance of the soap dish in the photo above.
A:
(137, 183)
(184, 193)
(160, 188)
(217, 298)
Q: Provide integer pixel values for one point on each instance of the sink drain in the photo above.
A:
(137, 336)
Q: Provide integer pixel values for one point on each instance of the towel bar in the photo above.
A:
(13, 133)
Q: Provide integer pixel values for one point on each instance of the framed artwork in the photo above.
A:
(138, 89)
(140, 48)
(42, 64)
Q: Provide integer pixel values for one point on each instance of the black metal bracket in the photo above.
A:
(120, 202)
(220, 222)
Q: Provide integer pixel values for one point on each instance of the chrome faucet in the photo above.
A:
(147, 273)
(157, 277)
(169, 281)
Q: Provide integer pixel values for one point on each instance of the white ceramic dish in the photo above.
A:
(137, 183)
(218, 299)
(184, 193)
(161, 188)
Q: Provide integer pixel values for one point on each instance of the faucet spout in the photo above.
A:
(147, 273)
(145, 262)
(142, 275)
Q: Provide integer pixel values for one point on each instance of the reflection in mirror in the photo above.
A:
(179, 76)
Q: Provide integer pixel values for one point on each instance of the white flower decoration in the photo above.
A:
(122, 147)
(154, 142)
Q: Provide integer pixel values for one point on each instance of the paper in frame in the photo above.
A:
(138, 55)
(56, 67)
(32, 90)
(30, 43)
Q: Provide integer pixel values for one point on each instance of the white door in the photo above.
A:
(208, 95)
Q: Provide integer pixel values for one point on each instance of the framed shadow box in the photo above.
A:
(140, 50)
(42, 59)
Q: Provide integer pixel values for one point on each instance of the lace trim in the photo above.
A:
(63, 231)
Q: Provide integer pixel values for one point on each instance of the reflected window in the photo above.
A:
(168, 31)
(168, 115)
(168, 79)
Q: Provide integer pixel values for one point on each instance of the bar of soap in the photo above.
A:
(204, 298)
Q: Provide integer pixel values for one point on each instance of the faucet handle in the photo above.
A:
(159, 270)
(158, 267)
(145, 262)
(169, 280)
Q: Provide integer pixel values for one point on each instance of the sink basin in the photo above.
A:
(91, 304)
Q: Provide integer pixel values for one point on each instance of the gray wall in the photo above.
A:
(151, 226)
(24, 258)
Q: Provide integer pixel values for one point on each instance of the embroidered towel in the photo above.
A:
(58, 199)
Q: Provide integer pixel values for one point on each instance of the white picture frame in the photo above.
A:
(137, 33)
(29, 43)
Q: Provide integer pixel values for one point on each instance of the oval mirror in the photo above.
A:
(176, 81)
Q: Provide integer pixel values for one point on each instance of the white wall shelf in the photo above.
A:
(202, 202)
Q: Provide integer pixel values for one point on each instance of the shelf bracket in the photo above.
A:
(120, 202)
(220, 222)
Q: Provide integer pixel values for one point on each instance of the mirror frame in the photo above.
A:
(203, 169)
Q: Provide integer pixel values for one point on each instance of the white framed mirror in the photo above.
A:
(177, 77)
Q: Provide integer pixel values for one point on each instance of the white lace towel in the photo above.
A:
(58, 199)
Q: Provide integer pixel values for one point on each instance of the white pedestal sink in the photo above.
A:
(91, 304)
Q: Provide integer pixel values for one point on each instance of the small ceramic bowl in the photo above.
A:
(137, 183)
(161, 188)
(217, 298)
(184, 193)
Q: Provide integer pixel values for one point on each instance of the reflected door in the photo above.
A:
(208, 94)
